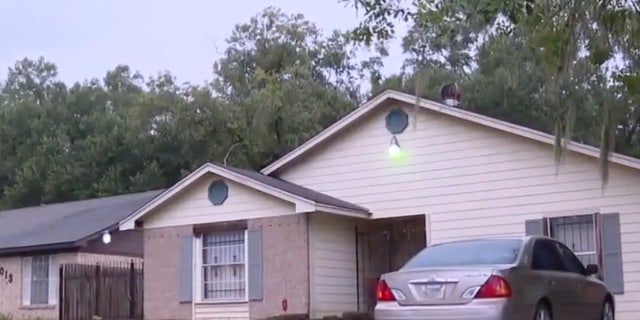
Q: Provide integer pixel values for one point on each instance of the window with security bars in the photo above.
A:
(579, 234)
(40, 280)
(224, 266)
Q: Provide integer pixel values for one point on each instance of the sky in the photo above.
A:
(87, 38)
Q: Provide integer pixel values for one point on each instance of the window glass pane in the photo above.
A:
(223, 268)
(40, 280)
(475, 252)
(576, 232)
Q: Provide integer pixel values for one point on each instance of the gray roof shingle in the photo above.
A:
(68, 222)
(295, 189)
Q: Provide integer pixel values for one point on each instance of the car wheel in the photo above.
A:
(542, 312)
(607, 311)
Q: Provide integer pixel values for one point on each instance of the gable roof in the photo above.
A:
(442, 108)
(305, 199)
(65, 225)
(298, 190)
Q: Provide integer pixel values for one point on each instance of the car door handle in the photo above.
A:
(552, 282)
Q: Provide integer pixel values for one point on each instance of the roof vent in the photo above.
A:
(451, 94)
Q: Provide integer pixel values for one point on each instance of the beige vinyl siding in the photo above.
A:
(472, 181)
(332, 255)
(192, 206)
(231, 311)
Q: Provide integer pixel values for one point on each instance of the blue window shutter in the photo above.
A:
(256, 285)
(536, 227)
(612, 252)
(186, 268)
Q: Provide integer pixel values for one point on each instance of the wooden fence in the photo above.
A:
(111, 291)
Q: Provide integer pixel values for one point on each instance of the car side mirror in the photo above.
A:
(592, 269)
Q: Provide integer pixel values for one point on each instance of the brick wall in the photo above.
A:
(286, 265)
(11, 293)
(286, 269)
(162, 274)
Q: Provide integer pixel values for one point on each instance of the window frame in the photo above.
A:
(44, 264)
(198, 287)
(597, 234)
(51, 280)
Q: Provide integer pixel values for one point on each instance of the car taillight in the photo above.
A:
(494, 287)
(383, 293)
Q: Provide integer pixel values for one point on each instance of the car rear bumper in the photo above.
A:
(485, 309)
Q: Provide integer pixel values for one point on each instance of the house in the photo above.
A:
(35, 241)
(311, 232)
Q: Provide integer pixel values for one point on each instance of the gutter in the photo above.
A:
(38, 248)
(346, 211)
(56, 246)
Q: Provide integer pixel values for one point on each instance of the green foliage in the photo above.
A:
(549, 40)
(280, 82)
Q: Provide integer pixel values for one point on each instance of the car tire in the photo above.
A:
(542, 312)
(607, 311)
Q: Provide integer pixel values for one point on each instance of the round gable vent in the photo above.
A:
(397, 121)
(218, 192)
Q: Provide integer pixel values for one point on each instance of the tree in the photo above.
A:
(555, 32)
(279, 82)
(288, 80)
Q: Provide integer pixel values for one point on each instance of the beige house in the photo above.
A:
(35, 241)
(312, 231)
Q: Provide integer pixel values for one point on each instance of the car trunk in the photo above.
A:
(438, 286)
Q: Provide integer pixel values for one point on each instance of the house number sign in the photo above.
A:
(6, 275)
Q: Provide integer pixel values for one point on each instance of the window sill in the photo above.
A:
(39, 307)
(222, 302)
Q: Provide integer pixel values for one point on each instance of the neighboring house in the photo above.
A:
(34, 242)
(312, 231)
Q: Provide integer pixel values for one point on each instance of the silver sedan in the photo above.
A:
(530, 278)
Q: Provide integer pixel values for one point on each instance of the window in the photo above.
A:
(223, 266)
(579, 234)
(39, 280)
(473, 252)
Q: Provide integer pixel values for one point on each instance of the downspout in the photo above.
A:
(309, 269)
(357, 268)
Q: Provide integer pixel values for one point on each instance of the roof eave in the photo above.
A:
(96, 235)
(333, 129)
(504, 126)
(38, 248)
(343, 211)
(301, 204)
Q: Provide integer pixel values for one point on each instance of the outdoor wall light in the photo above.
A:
(106, 237)
(394, 147)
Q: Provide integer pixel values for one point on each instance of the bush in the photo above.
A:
(6, 316)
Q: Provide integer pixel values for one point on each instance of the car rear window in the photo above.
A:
(465, 253)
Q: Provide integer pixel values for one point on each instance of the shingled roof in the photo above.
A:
(296, 189)
(285, 190)
(65, 225)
